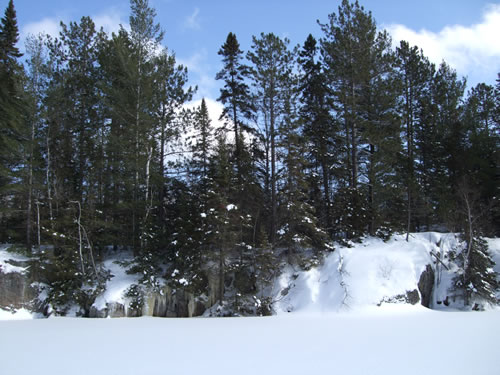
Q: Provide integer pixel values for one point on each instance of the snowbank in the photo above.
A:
(367, 274)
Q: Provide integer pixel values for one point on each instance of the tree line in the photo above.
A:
(327, 141)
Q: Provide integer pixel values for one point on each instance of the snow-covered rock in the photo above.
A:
(371, 273)
(16, 291)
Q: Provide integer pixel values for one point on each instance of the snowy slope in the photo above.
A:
(370, 273)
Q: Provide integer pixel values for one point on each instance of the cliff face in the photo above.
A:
(16, 290)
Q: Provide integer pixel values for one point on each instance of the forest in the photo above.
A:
(324, 143)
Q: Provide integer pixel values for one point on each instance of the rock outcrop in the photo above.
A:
(16, 291)
(426, 286)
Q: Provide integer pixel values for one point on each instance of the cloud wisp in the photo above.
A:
(192, 22)
(474, 51)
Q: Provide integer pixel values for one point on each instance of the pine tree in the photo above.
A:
(381, 136)
(222, 214)
(145, 36)
(319, 127)
(12, 129)
(204, 138)
(9, 36)
(169, 94)
(481, 159)
(271, 61)
(298, 227)
(444, 141)
(358, 63)
(415, 75)
(476, 278)
(235, 95)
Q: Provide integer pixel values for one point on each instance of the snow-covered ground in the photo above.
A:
(392, 339)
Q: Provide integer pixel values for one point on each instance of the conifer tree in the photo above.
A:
(415, 75)
(356, 58)
(444, 140)
(235, 95)
(272, 63)
(298, 227)
(204, 138)
(145, 37)
(12, 132)
(319, 127)
(169, 94)
(476, 276)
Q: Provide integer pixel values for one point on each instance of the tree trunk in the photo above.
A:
(273, 174)
(371, 190)
(30, 190)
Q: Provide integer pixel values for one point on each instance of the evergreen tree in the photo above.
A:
(298, 227)
(145, 37)
(358, 62)
(12, 131)
(319, 127)
(169, 95)
(235, 95)
(204, 137)
(476, 277)
(272, 63)
(443, 139)
(481, 144)
(9, 36)
(416, 74)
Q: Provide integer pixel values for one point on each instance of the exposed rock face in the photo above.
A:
(426, 285)
(166, 303)
(15, 290)
(112, 310)
(413, 297)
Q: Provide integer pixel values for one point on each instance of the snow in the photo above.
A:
(5, 257)
(363, 275)
(389, 340)
(20, 314)
(328, 321)
(117, 285)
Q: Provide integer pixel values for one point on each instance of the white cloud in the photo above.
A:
(193, 22)
(214, 110)
(110, 21)
(48, 26)
(474, 51)
(200, 73)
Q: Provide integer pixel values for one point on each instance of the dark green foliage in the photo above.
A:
(476, 278)
(12, 129)
(319, 129)
(351, 218)
(235, 95)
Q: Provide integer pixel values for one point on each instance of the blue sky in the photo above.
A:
(463, 32)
